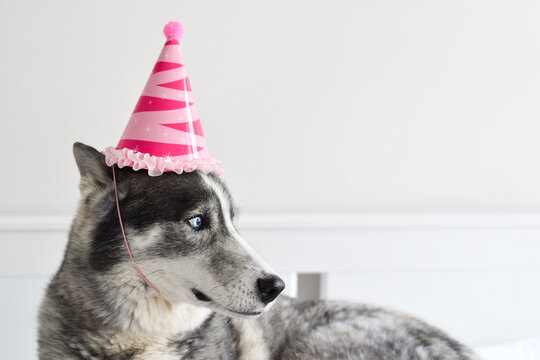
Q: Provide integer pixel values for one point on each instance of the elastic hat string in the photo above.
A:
(139, 271)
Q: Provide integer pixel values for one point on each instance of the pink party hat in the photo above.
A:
(164, 132)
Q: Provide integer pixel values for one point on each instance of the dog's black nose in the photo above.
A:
(269, 288)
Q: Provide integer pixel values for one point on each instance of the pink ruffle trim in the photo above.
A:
(158, 165)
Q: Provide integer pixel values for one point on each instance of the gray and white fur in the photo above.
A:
(217, 295)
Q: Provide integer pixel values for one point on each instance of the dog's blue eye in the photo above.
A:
(196, 222)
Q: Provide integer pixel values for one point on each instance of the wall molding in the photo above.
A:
(327, 242)
(319, 221)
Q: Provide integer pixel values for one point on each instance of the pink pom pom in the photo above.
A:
(173, 30)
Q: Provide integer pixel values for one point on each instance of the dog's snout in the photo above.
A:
(269, 288)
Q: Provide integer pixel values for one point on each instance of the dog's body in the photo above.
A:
(215, 293)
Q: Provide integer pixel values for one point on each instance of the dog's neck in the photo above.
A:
(156, 316)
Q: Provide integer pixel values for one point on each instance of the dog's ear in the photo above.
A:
(95, 174)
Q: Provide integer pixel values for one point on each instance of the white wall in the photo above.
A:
(311, 105)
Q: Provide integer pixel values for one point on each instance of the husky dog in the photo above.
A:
(215, 293)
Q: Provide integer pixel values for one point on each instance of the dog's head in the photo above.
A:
(182, 232)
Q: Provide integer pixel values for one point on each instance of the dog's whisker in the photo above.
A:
(231, 302)
(221, 285)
